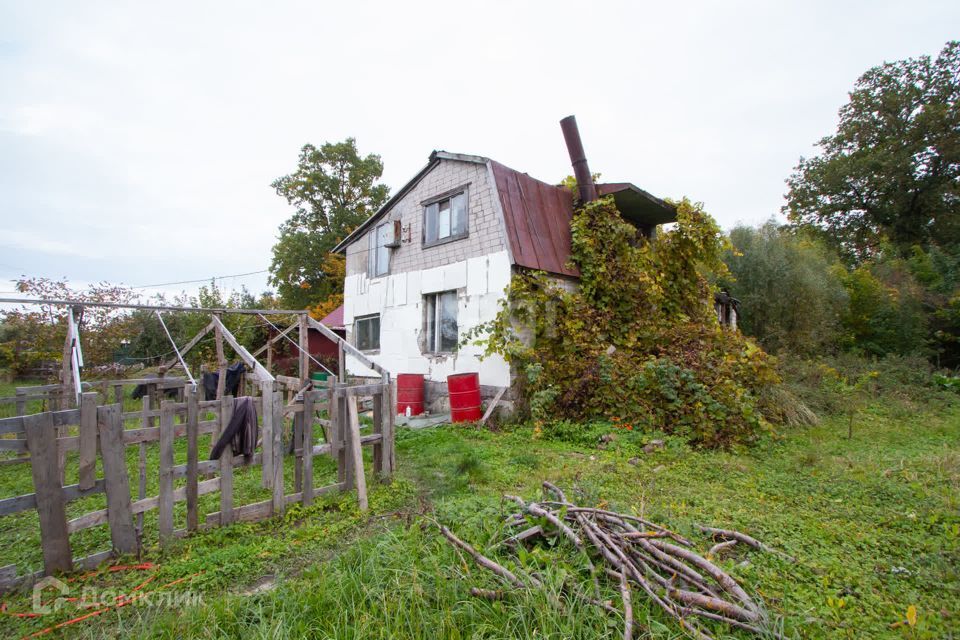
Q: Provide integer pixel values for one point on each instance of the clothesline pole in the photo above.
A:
(183, 364)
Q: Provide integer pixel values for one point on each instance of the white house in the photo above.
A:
(437, 258)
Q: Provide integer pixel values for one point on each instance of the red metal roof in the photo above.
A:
(537, 217)
(334, 319)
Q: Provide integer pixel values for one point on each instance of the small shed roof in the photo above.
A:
(334, 319)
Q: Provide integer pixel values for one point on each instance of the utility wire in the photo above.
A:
(169, 284)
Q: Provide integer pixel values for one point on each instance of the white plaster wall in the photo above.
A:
(480, 283)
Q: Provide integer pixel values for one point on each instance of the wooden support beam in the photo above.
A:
(275, 338)
(221, 363)
(492, 405)
(190, 345)
(304, 345)
(347, 347)
(258, 371)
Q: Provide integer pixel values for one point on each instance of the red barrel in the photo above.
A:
(410, 393)
(464, 391)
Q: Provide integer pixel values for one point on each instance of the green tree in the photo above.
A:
(334, 190)
(790, 287)
(892, 169)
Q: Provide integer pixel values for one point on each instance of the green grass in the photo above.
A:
(873, 521)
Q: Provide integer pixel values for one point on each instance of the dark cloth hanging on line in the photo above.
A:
(211, 379)
(141, 389)
(241, 433)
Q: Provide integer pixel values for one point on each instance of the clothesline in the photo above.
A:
(319, 364)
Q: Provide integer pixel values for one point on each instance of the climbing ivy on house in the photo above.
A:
(636, 338)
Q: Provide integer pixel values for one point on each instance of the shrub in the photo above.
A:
(791, 292)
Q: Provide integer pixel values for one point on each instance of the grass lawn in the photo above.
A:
(874, 522)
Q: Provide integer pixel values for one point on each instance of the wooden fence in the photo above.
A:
(98, 429)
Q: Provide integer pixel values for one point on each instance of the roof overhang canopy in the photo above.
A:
(638, 206)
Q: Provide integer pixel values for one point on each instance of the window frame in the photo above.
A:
(436, 347)
(373, 249)
(437, 199)
(356, 332)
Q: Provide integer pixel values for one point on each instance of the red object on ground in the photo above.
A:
(410, 393)
(464, 391)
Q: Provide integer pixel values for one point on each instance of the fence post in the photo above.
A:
(193, 427)
(276, 409)
(21, 403)
(221, 363)
(165, 505)
(304, 348)
(378, 430)
(226, 463)
(51, 507)
(116, 480)
(266, 402)
(389, 432)
(307, 448)
(343, 435)
(88, 440)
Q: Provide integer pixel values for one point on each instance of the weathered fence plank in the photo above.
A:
(165, 507)
(306, 448)
(378, 429)
(297, 444)
(117, 484)
(88, 440)
(226, 464)
(356, 450)
(193, 424)
(274, 400)
(51, 507)
(389, 433)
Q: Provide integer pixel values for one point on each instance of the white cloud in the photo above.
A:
(148, 134)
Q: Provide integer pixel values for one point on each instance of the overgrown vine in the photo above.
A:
(636, 338)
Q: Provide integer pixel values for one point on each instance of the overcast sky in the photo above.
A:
(138, 140)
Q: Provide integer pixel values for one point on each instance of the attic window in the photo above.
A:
(379, 256)
(445, 218)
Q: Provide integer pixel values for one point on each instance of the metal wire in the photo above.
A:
(179, 356)
(320, 364)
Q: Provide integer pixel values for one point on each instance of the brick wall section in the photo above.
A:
(485, 232)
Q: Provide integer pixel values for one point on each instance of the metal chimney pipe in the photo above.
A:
(571, 134)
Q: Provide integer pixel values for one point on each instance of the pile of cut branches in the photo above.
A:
(633, 552)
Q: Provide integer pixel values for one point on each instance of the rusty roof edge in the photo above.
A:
(498, 207)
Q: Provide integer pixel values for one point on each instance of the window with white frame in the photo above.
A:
(445, 218)
(367, 332)
(440, 311)
(379, 254)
